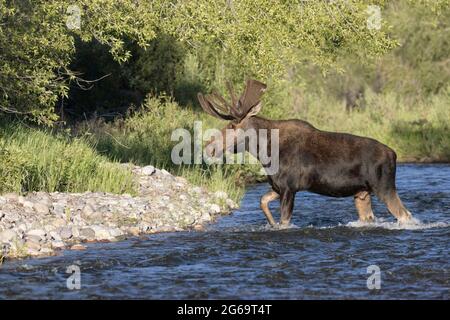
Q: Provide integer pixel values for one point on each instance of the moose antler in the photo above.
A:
(251, 96)
(215, 105)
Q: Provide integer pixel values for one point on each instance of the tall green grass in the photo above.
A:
(41, 160)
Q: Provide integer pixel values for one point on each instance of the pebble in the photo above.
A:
(87, 233)
(41, 208)
(101, 233)
(214, 208)
(36, 232)
(66, 233)
(39, 223)
(78, 247)
(7, 235)
(147, 170)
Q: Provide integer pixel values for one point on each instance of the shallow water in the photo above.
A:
(324, 255)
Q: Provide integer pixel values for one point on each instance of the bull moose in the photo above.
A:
(327, 163)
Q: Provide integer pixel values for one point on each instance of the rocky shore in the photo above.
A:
(41, 224)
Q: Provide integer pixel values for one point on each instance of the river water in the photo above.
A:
(324, 255)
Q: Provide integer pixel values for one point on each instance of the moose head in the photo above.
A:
(238, 112)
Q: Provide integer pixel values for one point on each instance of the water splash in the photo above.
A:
(414, 224)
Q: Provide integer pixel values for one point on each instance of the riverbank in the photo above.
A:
(44, 223)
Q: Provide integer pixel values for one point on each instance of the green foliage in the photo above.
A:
(247, 37)
(37, 47)
(38, 160)
(262, 37)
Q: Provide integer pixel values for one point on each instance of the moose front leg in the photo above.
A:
(265, 199)
(287, 205)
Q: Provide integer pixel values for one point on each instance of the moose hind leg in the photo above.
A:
(265, 199)
(396, 207)
(287, 205)
(363, 204)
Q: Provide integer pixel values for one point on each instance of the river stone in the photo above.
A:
(78, 247)
(231, 204)
(206, 217)
(101, 233)
(27, 204)
(46, 251)
(37, 232)
(87, 210)
(65, 233)
(197, 190)
(58, 244)
(58, 209)
(134, 231)
(41, 208)
(199, 227)
(147, 170)
(87, 233)
(32, 245)
(33, 238)
(75, 232)
(59, 222)
(55, 236)
(7, 235)
(214, 208)
(116, 232)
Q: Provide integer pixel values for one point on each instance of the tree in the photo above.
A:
(249, 37)
(37, 44)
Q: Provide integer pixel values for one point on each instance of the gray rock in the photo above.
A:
(55, 236)
(33, 239)
(116, 232)
(65, 233)
(7, 235)
(45, 251)
(36, 232)
(101, 233)
(87, 210)
(206, 217)
(41, 208)
(27, 204)
(165, 172)
(32, 245)
(58, 209)
(75, 232)
(58, 244)
(59, 222)
(231, 204)
(87, 233)
(197, 190)
(214, 208)
(147, 170)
